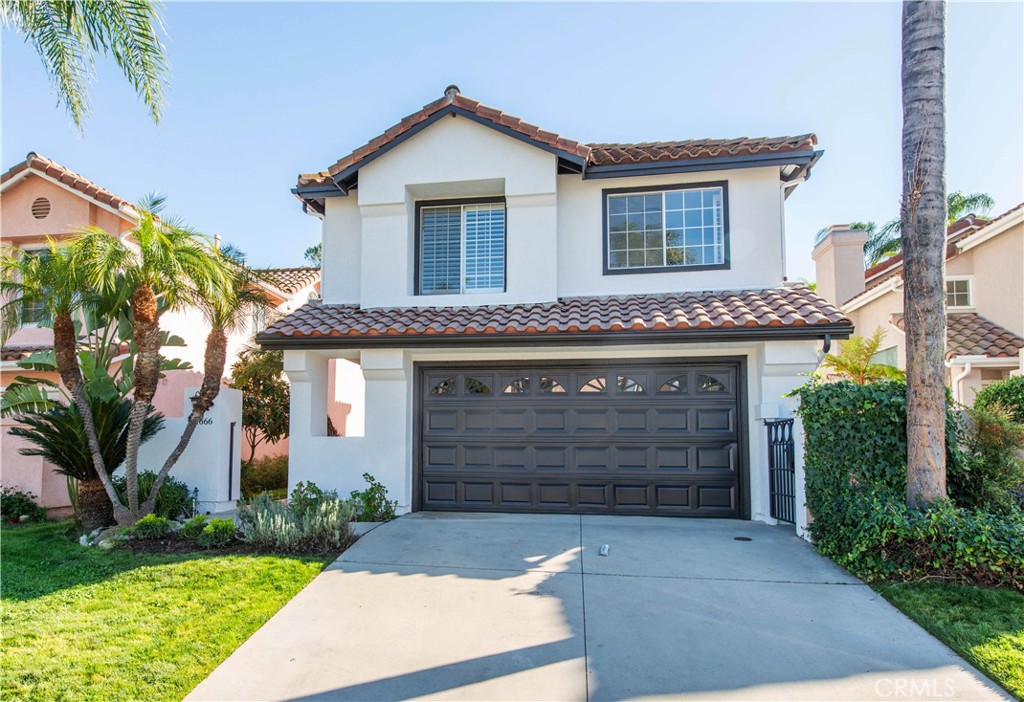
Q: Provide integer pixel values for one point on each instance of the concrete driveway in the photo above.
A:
(502, 607)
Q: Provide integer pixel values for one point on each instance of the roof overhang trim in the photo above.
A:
(808, 332)
(801, 158)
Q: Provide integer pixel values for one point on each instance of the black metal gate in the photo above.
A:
(781, 469)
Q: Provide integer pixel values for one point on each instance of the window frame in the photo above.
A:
(456, 202)
(32, 249)
(969, 279)
(726, 263)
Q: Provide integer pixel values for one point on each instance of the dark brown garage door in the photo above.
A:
(628, 438)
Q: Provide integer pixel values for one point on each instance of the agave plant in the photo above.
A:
(58, 435)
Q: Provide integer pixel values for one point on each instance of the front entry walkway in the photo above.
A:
(501, 607)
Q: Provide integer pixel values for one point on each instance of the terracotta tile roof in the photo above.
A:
(41, 164)
(16, 352)
(592, 154)
(765, 309)
(455, 99)
(290, 280)
(649, 152)
(955, 233)
(970, 334)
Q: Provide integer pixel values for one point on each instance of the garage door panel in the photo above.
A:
(629, 439)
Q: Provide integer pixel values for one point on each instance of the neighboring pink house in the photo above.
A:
(39, 198)
(984, 297)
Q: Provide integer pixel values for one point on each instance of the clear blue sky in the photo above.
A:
(262, 91)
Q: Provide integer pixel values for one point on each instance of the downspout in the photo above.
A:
(955, 381)
(785, 185)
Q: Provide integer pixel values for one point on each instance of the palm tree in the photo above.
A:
(232, 309)
(67, 34)
(55, 281)
(855, 360)
(167, 266)
(59, 436)
(885, 242)
(923, 218)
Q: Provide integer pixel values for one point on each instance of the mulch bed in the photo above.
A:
(178, 545)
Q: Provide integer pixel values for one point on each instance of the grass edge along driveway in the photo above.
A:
(85, 624)
(984, 625)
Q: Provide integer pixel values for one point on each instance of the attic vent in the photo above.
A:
(40, 208)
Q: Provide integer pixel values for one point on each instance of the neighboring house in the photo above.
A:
(40, 199)
(984, 297)
(523, 322)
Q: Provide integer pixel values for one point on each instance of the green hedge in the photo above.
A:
(1008, 394)
(855, 465)
(265, 475)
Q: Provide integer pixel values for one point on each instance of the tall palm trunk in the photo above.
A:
(923, 227)
(214, 361)
(65, 350)
(146, 334)
(95, 509)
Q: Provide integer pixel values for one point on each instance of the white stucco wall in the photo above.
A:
(387, 445)
(554, 223)
(755, 236)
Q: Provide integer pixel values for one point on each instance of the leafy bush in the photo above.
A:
(307, 495)
(217, 534)
(990, 473)
(1007, 393)
(315, 521)
(264, 475)
(855, 464)
(173, 501)
(150, 527)
(372, 504)
(193, 527)
(14, 504)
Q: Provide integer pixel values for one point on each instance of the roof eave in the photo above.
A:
(807, 332)
(805, 158)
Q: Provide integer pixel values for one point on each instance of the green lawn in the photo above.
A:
(984, 625)
(84, 624)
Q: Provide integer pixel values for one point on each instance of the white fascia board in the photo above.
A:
(130, 216)
(991, 231)
(882, 289)
(986, 361)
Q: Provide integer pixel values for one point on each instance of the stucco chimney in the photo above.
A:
(839, 263)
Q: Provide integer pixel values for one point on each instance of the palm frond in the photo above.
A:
(20, 399)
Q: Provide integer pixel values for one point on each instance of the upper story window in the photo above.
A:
(675, 228)
(461, 247)
(958, 292)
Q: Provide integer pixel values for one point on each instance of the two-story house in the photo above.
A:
(523, 322)
(43, 201)
(984, 297)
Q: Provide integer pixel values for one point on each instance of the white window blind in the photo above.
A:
(462, 248)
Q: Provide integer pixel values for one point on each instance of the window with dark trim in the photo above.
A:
(460, 246)
(670, 228)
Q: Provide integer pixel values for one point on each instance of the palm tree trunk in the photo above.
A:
(94, 507)
(65, 350)
(923, 227)
(146, 335)
(214, 361)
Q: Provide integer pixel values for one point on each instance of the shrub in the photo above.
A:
(372, 504)
(173, 501)
(990, 472)
(264, 475)
(14, 504)
(316, 521)
(855, 464)
(217, 534)
(1007, 393)
(193, 527)
(150, 527)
